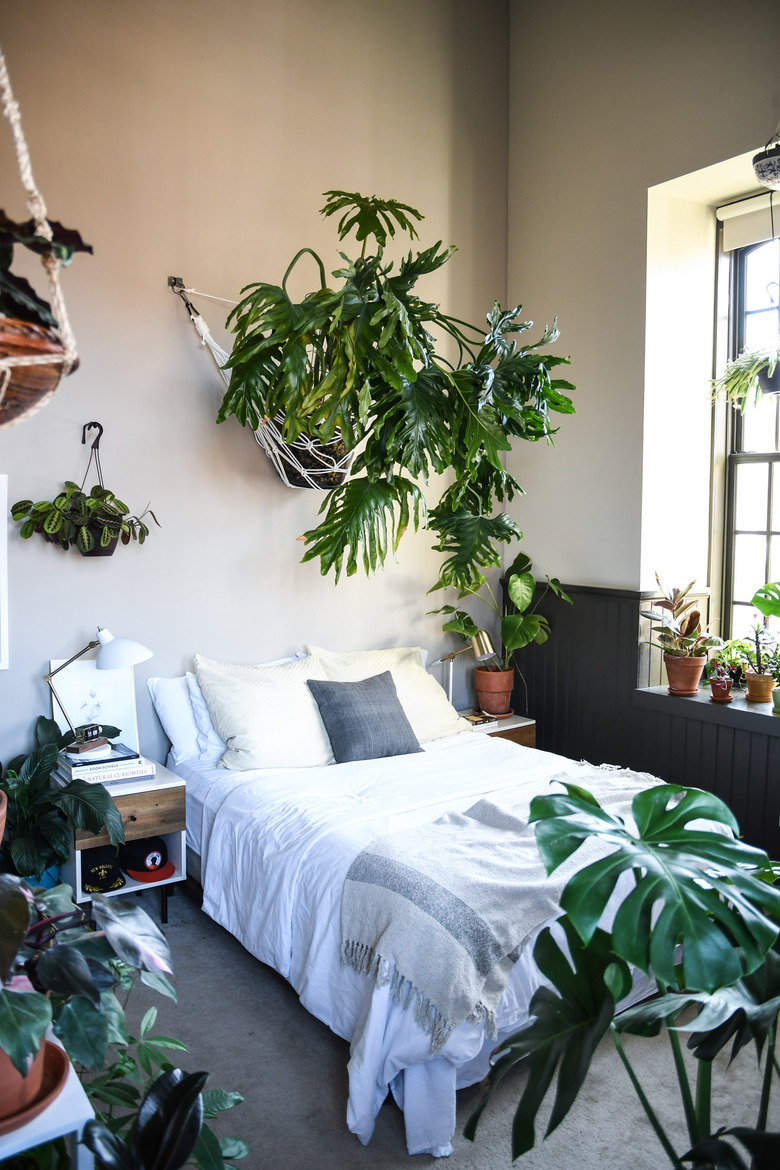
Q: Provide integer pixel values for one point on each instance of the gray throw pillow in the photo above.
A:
(364, 720)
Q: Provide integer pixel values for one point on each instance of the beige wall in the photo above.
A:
(195, 139)
(608, 100)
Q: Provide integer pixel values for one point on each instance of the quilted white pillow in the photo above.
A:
(265, 714)
(427, 707)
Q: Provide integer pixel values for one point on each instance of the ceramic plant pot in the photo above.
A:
(759, 687)
(776, 700)
(494, 690)
(684, 674)
(721, 691)
(29, 387)
(18, 1092)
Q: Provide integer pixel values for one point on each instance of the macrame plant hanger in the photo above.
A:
(305, 463)
(61, 355)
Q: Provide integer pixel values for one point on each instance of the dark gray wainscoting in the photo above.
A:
(598, 693)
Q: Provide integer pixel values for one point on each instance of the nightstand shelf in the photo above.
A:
(153, 807)
(517, 728)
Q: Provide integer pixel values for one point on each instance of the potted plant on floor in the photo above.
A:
(494, 679)
(699, 908)
(358, 362)
(40, 818)
(681, 638)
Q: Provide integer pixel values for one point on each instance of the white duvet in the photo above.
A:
(289, 837)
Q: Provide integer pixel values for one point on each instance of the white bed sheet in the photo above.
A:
(275, 847)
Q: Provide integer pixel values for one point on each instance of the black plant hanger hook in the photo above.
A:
(95, 452)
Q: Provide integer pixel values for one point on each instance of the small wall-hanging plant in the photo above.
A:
(93, 521)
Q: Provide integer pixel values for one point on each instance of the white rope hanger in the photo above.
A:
(37, 208)
(304, 463)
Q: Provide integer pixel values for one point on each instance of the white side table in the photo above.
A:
(65, 1117)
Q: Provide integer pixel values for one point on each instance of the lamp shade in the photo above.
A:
(482, 646)
(114, 653)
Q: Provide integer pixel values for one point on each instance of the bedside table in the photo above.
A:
(517, 728)
(149, 807)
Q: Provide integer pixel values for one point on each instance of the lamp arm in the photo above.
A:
(48, 677)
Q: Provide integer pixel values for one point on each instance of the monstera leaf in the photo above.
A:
(712, 889)
(567, 1023)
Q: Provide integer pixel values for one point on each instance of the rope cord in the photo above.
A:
(51, 263)
(305, 463)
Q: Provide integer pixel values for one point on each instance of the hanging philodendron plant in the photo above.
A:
(359, 363)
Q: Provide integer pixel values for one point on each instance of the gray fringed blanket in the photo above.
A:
(442, 912)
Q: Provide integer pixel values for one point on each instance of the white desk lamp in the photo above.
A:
(483, 649)
(112, 654)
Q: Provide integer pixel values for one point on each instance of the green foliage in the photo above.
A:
(80, 520)
(520, 626)
(18, 299)
(742, 379)
(680, 633)
(40, 816)
(361, 361)
(698, 908)
(767, 599)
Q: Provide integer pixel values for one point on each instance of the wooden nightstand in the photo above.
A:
(518, 728)
(153, 807)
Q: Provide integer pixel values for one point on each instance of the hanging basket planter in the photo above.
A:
(27, 386)
(306, 463)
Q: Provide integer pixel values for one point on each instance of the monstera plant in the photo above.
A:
(699, 909)
(366, 361)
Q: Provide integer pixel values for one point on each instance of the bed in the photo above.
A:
(275, 843)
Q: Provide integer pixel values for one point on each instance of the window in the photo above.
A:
(752, 529)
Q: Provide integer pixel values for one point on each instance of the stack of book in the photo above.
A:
(120, 763)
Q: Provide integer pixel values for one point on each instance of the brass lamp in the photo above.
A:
(112, 654)
(482, 647)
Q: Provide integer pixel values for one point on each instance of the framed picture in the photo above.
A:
(4, 573)
(90, 695)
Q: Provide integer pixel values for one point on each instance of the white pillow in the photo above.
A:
(171, 700)
(265, 715)
(425, 702)
(210, 746)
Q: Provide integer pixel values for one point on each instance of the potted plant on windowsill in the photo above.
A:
(721, 682)
(494, 679)
(681, 638)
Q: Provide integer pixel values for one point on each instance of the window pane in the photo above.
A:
(758, 425)
(749, 566)
(761, 267)
(752, 487)
(776, 501)
(761, 330)
(741, 621)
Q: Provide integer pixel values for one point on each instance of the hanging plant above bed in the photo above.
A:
(357, 364)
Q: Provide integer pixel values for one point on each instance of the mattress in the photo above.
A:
(275, 847)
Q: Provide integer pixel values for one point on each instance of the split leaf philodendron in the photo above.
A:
(359, 361)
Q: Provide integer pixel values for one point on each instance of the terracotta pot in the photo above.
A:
(18, 1092)
(684, 674)
(759, 687)
(494, 690)
(721, 691)
(29, 387)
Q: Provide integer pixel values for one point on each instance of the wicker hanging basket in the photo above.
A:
(33, 358)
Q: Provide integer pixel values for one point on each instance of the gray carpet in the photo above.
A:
(243, 1024)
